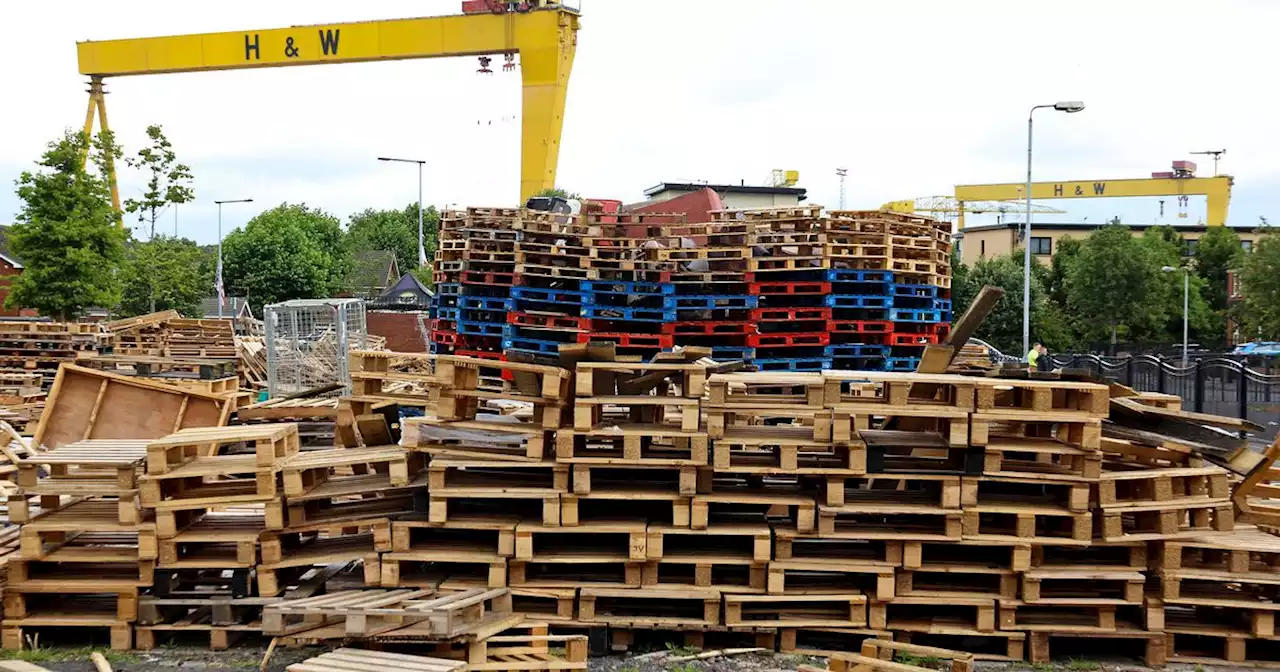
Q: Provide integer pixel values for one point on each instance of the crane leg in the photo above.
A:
(98, 104)
(545, 75)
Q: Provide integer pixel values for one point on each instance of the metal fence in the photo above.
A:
(308, 340)
(1218, 385)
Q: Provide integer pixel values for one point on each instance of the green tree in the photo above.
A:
(163, 273)
(1003, 327)
(394, 230)
(1059, 269)
(1217, 252)
(287, 252)
(1260, 285)
(1110, 280)
(558, 192)
(169, 183)
(1160, 316)
(66, 233)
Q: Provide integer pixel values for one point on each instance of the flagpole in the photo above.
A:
(217, 281)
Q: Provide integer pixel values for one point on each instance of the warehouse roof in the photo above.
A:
(725, 189)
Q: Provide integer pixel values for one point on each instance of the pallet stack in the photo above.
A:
(168, 334)
(785, 289)
(788, 278)
(41, 347)
(475, 270)
(714, 291)
(912, 255)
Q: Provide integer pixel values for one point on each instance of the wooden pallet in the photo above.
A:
(485, 440)
(926, 614)
(528, 652)
(90, 468)
(760, 449)
(272, 577)
(1087, 586)
(631, 444)
(649, 607)
(962, 580)
(362, 660)
(965, 555)
(271, 444)
(1027, 524)
(277, 544)
(1019, 615)
(1152, 644)
(835, 610)
(1039, 458)
(306, 471)
(366, 613)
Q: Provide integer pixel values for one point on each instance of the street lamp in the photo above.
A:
(222, 293)
(1186, 299)
(422, 252)
(1070, 106)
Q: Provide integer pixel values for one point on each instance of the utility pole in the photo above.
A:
(842, 172)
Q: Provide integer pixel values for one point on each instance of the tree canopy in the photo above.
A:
(394, 230)
(169, 182)
(67, 233)
(1259, 311)
(161, 274)
(288, 252)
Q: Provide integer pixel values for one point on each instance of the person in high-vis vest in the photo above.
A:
(1032, 355)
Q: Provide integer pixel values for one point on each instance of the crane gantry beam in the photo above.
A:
(1216, 189)
(546, 40)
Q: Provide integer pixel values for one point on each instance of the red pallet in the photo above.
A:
(547, 321)
(707, 328)
(860, 327)
(444, 337)
(482, 354)
(440, 325)
(790, 314)
(489, 278)
(661, 341)
(791, 288)
(785, 339)
(913, 339)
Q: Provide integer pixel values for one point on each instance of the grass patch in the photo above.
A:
(682, 650)
(1079, 665)
(906, 658)
(60, 654)
(689, 667)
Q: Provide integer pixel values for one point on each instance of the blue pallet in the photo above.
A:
(942, 304)
(448, 288)
(921, 291)
(566, 297)
(531, 345)
(489, 303)
(522, 332)
(553, 308)
(856, 301)
(858, 275)
(619, 313)
(632, 287)
(856, 350)
(861, 288)
(728, 352)
(480, 328)
(858, 363)
(811, 364)
(446, 313)
(717, 302)
(901, 363)
(907, 315)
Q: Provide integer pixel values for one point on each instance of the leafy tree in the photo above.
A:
(66, 233)
(1110, 281)
(163, 273)
(1217, 252)
(394, 230)
(287, 252)
(1055, 280)
(170, 181)
(558, 192)
(1003, 327)
(1160, 316)
(1260, 285)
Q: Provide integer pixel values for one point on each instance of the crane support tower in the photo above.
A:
(543, 33)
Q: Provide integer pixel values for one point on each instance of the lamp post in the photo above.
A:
(1070, 106)
(422, 252)
(218, 280)
(1186, 300)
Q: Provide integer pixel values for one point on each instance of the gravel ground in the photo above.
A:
(245, 658)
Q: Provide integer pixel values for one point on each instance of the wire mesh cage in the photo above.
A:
(307, 343)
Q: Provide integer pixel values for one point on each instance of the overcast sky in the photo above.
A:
(913, 97)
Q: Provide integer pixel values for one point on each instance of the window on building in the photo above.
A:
(1041, 245)
(1190, 247)
(1246, 245)
(982, 248)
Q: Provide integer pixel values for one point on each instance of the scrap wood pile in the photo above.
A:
(785, 289)
(804, 512)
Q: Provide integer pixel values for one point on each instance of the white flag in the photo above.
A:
(217, 285)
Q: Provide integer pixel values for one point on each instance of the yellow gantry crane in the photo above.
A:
(946, 207)
(543, 33)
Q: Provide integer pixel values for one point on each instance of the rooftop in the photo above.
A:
(725, 189)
